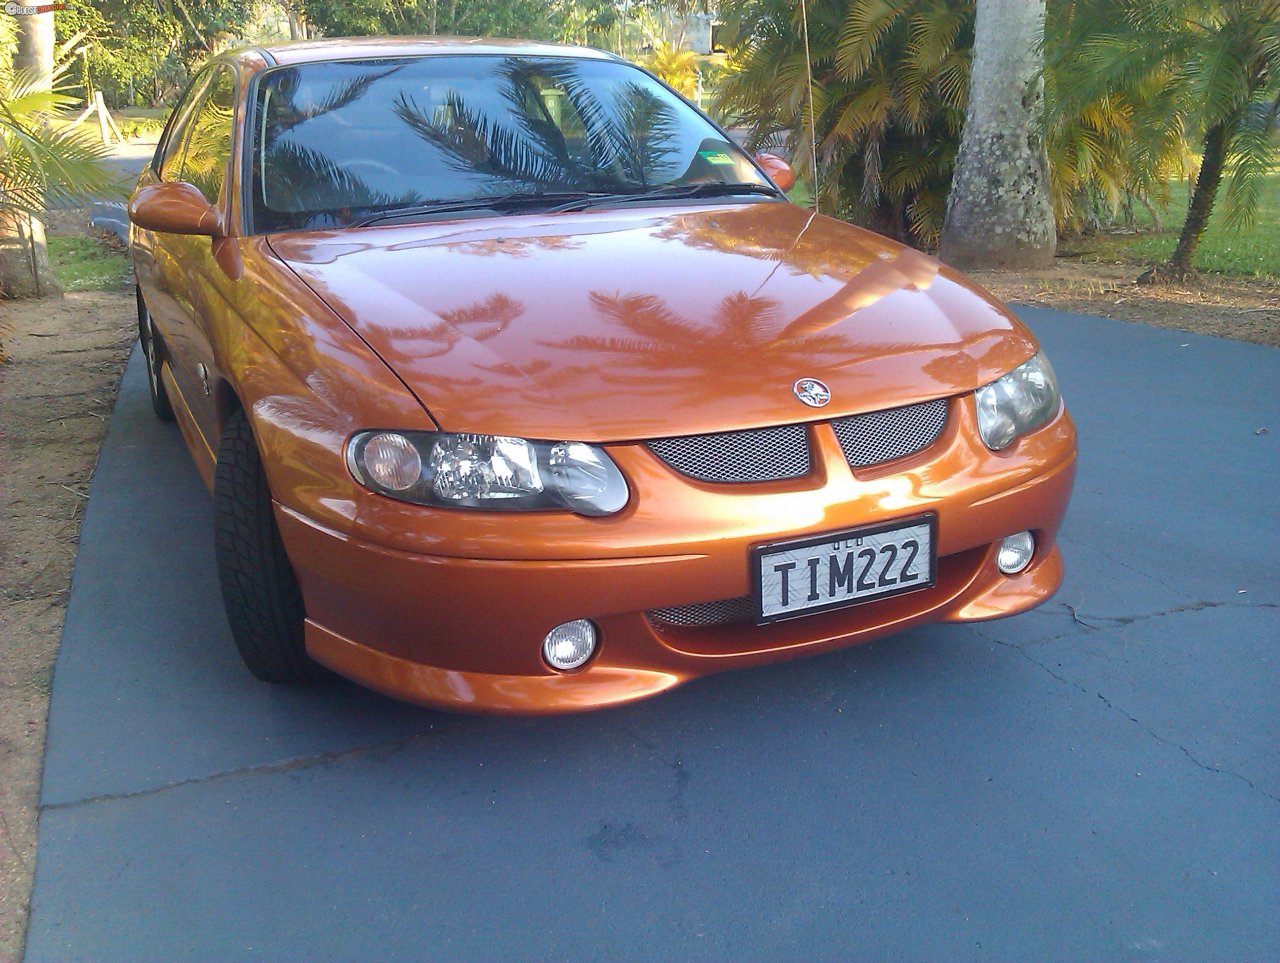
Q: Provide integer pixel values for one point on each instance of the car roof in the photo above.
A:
(361, 48)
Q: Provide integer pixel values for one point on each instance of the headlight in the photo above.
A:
(1020, 402)
(487, 472)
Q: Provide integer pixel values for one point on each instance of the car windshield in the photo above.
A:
(340, 144)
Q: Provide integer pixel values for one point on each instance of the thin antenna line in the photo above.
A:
(813, 126)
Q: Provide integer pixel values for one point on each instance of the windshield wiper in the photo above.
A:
(495, 202)
(665, 194)
(559, 201)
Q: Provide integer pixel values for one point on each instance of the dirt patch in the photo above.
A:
(1244, 309)
(56, 394)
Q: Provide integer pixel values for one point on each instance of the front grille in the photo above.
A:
(881, 436)
(725, 612)
(758, 455)
(776, 454)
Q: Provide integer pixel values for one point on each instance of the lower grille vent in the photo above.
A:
(725, 612)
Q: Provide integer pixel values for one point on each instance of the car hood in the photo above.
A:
(639, 323)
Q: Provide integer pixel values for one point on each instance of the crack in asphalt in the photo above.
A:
(1137, 722)
(1190, 607)
(295, 764)
(1017, 645)
(1081, 618)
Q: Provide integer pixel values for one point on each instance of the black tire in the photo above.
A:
(259, 590)
(153, 356)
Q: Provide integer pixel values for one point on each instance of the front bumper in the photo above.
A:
(465, 633)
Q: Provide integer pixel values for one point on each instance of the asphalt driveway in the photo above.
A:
(1097, 779)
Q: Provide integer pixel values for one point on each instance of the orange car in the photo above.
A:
(521, 388)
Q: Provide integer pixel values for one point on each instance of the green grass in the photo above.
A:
(86, 264)
(1251, 252)
(138, 113)
(141, 121)
(133, 121)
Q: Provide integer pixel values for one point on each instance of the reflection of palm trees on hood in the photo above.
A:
(742, 340)
(906, 270)
(516, 247)
(438, 332)
(866, 280)
(626, 141)
(757, 232)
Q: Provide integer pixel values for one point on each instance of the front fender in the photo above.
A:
(307, 383)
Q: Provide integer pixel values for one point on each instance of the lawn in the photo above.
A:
(141, 121)
(133, 121)
(1251, 252)
(83, 263)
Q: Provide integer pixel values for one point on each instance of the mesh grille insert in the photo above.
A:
(758, 455)
(725, 612)
(880, 436)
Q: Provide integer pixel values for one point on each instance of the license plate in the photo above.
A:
(844, 568)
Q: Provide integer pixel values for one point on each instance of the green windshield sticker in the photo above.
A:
(715, 157)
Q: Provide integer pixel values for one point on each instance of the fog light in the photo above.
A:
(1015, 553)
(568, 646)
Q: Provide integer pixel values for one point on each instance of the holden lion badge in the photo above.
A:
(812, 392)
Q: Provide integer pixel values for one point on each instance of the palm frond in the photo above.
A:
(1255, 150)
(865, 25)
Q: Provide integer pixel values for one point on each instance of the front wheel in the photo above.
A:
(153, 357)
(259, 590)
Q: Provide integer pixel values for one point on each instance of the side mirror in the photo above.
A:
(778, 169)
(175, 207)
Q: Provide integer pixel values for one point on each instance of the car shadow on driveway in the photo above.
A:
(1096, 778)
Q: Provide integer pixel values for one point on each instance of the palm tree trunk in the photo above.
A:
(1183, 262)
(1000, 210)
(34, 53)
(25, 271)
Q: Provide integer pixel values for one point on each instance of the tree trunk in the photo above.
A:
(1183, 262)
(34, 52)
(25, 271)
(202, 42)
(299, 28)
(1000, 210)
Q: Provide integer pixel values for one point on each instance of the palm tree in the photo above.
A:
(1126, 144)
(1214, 66)
(678, 68)
(890, 82)
(39, 165)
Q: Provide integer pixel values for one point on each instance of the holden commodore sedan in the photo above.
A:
(521, 388)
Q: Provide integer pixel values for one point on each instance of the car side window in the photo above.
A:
(169, 153)
(207, 153)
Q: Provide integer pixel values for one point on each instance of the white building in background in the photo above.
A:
(694, 31)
